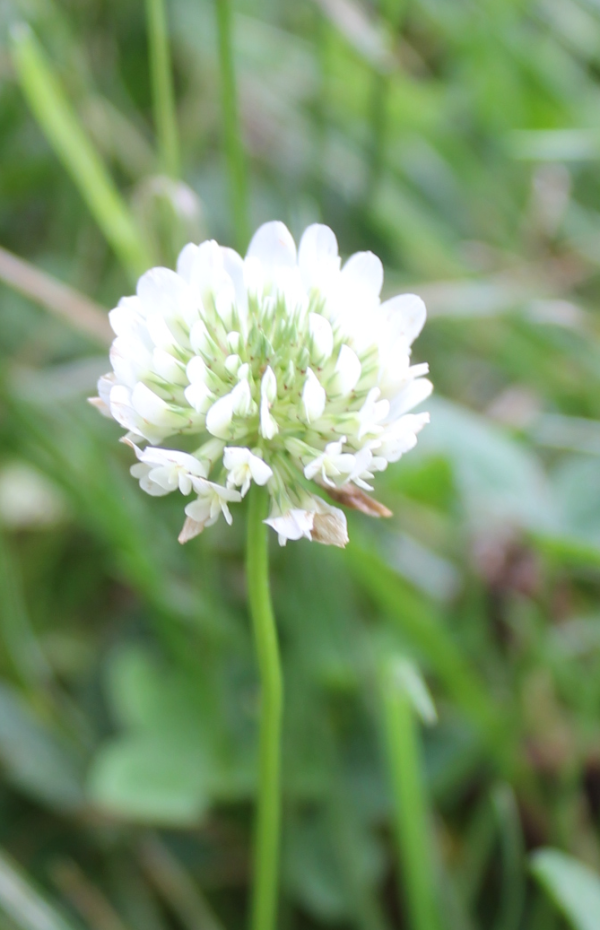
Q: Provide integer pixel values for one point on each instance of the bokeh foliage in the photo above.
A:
(459, 141)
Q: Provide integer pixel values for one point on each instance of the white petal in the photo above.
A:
(321, 334)
(241, 397)
(168, 368)
(199, 396)
(185, 261)
(142, 473)
(363, 274)
(121, 364)
(160, 333)
(318, 257)
(219, 417)
(126, 318)
(313, 396)
(105, 386)
(234, 342)
(207, 272)
(173, 458)
(347, 371)
(196, 370)
(234, 456)
(234, 266)
(261, 472)
(199, 509)
(164, 292)
(225, 302)
(293, 525)
(414, 393)
(121, 409)
(268, 385)
(152, 408)
(232, 364)
(402, 436)
(405, 314)
(123, 412)
(100, 406)
(268, 424)
(199, 337)
(273, 244)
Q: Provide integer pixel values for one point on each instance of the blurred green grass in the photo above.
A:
(459, 141)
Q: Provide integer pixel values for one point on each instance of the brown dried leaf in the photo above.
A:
(330, 529)
(190, 529)
(356, 499)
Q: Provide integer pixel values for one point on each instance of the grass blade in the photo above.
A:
(162, 87)
(62, 129)
(513, 855)
(411, 815)
(176, 886)
(21, 645)
(74, 308)
(234, 147)
(572, 886)
(23, 903)
(419, 623)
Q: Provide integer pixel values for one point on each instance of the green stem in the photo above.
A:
(266, 844)
(411, 820)
(162, 87)
(234, 147)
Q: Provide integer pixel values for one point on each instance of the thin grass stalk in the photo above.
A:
(391, 12)
(22, 649)
(512, 850)
(323, 44)
(73, 147)
(61, 300)
(266, 840)
(163, 94)
(232, 132)
(378, 109)
(412, 825)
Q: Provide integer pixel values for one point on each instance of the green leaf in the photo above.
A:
(573, 887)
(146, 779)
(499, 479)
(151, 697)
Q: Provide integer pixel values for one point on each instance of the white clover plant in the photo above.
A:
(283, 369)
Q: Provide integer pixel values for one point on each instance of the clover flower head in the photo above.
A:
(283, 368)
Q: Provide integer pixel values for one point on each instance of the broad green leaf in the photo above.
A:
(499, 479)
(146, 779)
(574, 888)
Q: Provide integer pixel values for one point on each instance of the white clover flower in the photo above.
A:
(244, 467)
(283, 369)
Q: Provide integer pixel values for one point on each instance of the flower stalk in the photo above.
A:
(266, 840)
